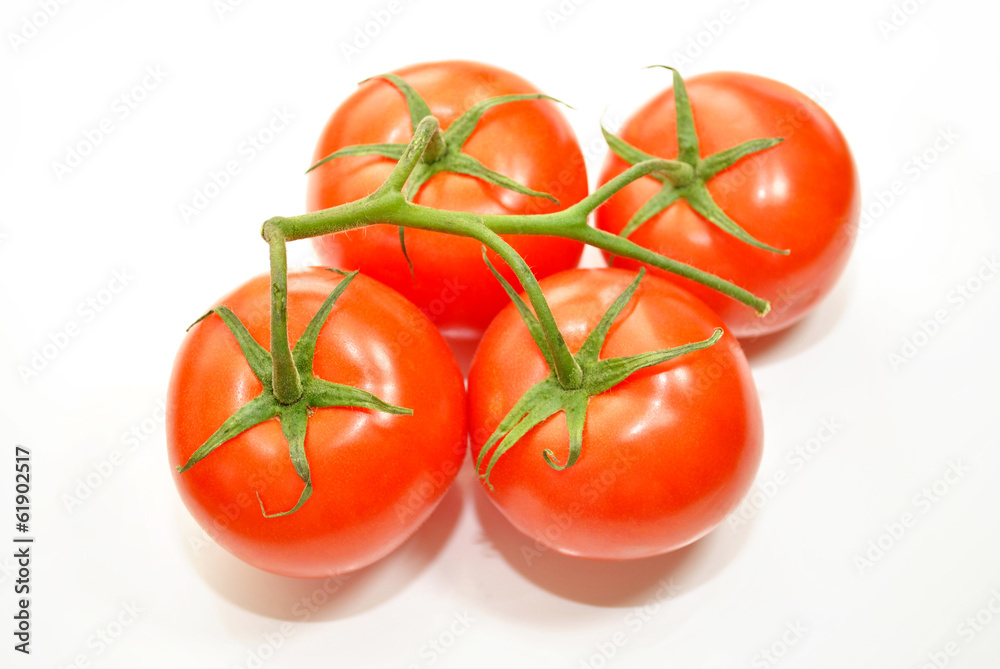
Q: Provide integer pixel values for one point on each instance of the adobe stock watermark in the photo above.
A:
(76, 153)
(308, 605)
(912, 171)
(899, 15)
(219, 179)
(303, 610)
(920, 505)
(967, 631)
(242, 502)
(31, 25)
(428, 486)
(928, 328)
(589, 493)
(772, 654)
(102, 469)
(233, 510)
(561, 12)
(711, 30)
(106, 636)
(377, 22)
(452, 289)
(223, 8)
(796, 460)
(7, 569)
(270, 643)
(417, 327)
(87, 311)
(638, 617)
(591, 150)
(788, 125)
(437, 646)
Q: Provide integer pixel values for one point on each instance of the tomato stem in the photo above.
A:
(436, 147)
(285, 381)
(571, 223)
(566, 368)
(391, 204)
(423, 134)
(388, 204)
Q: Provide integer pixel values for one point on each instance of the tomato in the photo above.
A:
(666, 454)
(801, 195)
(528, 141)
(376, 476)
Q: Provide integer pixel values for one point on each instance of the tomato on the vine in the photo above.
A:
(375, 476)
(665, 455)
(799, 195)
(527, 141)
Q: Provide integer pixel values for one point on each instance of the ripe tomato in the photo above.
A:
(376, 476)
(666, 454)
(801, 195)
(528, 141)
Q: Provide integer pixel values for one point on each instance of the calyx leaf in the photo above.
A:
(693, 186)
(294, 418)
(445, 154)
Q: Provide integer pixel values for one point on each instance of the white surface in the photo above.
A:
(461, 582)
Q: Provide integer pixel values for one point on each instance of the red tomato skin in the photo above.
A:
(376, 476)
(802, 195)
(528, 141)
(666, 455)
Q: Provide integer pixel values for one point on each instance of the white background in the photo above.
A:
(126, 561)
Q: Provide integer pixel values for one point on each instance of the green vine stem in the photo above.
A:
(285, 380)
(389, 205)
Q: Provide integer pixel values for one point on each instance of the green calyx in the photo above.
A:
(294, 415)
(444, 151)
(689, 179)
(550, 396)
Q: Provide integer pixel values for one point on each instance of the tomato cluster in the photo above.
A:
(316, 419)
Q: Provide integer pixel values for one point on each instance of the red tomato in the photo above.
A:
(801, 195)
(666, 455)
(528, 141)
(376, 477)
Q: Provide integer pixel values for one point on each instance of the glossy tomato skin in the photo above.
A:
(528, 141)
(666, 455)
(376, 476)
(801, 195)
